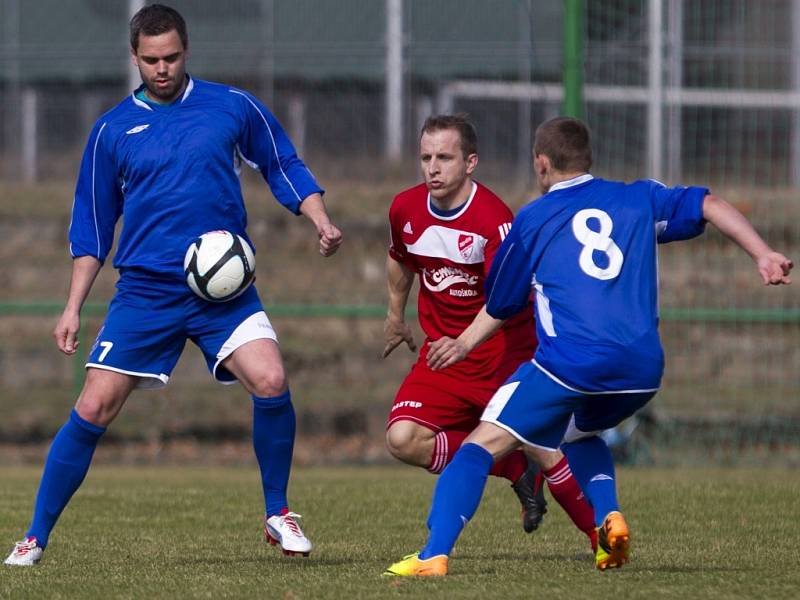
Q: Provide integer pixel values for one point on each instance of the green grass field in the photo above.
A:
(194, 533)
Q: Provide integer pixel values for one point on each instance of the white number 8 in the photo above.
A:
(601, 242)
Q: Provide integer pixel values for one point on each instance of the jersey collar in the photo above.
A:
(148, 106)
(457, 212)
(571, 182)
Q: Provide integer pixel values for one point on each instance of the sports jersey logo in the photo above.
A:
(407, 228)
(137, 129)
(406, 403)
(465, 245)
(444, 277)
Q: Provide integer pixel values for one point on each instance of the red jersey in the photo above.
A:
(452, 255)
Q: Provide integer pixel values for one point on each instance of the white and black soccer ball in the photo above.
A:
(219, 266)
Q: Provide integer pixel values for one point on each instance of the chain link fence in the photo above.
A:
(687, 92)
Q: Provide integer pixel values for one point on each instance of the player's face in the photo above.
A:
(161, 60)
(445, 168)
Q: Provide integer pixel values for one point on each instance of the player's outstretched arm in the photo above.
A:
(84, 272)
(399, 280)
(330, 238)
(447, 351)
(773, 266)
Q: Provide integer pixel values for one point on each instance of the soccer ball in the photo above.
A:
(219, 266)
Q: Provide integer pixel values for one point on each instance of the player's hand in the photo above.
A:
(774, 269)
(330, 238)
(66, 332)
(396, 332)
(445, 352)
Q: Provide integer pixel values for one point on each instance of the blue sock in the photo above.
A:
(593, 468)
(67, 463)
(456, 498)
(273, 442)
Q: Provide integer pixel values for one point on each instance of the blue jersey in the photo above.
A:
(172, 172)
(588, 249)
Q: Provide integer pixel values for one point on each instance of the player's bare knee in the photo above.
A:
(397, 443)
(269, 383)
(95, 410)
(406, 442)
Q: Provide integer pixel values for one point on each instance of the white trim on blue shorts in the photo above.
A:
(580, 391)
(495, 407)
(147, 381)
(255, 327)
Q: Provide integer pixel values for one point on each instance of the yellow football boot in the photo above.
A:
(613, 542)
(413, 566)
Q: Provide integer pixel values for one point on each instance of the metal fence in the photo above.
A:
(688, 92)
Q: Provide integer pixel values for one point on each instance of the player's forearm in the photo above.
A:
(399, 282)
(84, 272)
(734, 225)
(313, 207)
(481, 328)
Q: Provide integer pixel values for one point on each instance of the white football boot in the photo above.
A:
(284, 530)
(26, 553)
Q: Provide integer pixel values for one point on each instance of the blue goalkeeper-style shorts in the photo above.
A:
(149, 321)
(539, 410)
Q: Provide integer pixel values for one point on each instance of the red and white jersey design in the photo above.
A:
(452, 255)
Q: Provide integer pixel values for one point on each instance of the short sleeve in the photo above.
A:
(397, 249)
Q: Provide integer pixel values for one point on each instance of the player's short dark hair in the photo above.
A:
(461, 123)
(566, 142)
(155, 20)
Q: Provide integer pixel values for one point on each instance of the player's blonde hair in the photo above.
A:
(459, 122)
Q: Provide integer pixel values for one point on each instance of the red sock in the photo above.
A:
(566, 491)
(511, 466)
(447, 443)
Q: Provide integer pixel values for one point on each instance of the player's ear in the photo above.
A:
(472, 162)
(541, 164)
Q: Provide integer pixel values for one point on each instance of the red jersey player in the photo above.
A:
(447, 231)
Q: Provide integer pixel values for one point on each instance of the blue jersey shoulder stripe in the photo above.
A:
(272, 139)
(94, 195)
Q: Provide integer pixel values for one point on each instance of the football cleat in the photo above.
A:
(530, 491)
(613, 542)
(26, 553)
(284, 530)
(413, 566)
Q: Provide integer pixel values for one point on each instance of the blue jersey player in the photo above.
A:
(166, 160)
(587, 249)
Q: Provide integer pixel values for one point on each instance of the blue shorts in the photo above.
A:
(149, 321)
(537, 409)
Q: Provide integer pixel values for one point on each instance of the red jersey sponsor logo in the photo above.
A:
(442, 278)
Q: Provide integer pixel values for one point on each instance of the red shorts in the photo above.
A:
(439, 401)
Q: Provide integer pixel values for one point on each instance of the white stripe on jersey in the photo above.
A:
(580, 391)
(272, 138)
(443, 242)
(543, 309)
(504, 229)
(94, 196)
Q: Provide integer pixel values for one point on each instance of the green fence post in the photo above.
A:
(573, 58)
